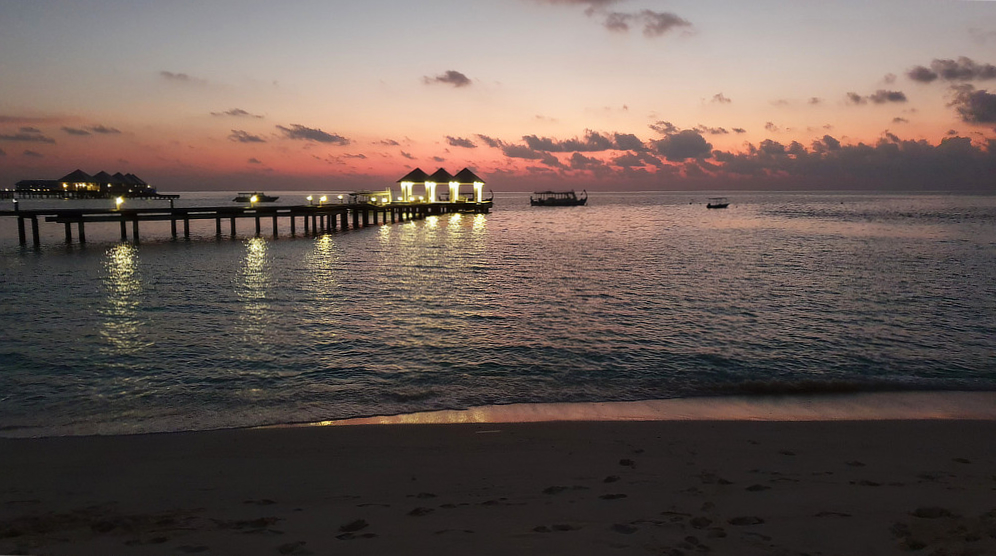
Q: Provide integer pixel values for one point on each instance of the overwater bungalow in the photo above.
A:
(80, 184)
(464, 187)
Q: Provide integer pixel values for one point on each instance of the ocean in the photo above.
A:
(637, 296)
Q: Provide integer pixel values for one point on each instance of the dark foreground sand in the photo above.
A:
(666, 487)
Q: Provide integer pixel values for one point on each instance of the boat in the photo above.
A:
(717, 203)
(557, 199)
(259, 195)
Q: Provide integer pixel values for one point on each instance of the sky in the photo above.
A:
(529, 94)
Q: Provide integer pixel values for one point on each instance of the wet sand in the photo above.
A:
(622, 487)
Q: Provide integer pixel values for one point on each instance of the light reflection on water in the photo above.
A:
(253, 288)
(122, 319)
(634, 297)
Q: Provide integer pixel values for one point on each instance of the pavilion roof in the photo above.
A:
(466, 176)
(102, 177)
(440, 176)
(77, 176)
(415, 176)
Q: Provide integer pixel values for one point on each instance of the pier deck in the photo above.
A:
(315, 218)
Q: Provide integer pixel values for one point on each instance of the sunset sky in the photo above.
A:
(602, 94)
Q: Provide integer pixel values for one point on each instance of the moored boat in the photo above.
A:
(260, 197)
(558, 198)
(717, 203)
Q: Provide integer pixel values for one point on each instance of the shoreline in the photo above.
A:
(851, 406)
(631, 487)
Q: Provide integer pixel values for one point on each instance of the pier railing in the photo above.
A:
(315, 218)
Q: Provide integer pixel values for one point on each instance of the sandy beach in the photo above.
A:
(663, 487)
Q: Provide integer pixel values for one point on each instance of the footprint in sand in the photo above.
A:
(294, 548)
(624, 528)
(745, 520)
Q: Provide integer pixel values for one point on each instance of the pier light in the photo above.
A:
(253, 199)
(478, 191)
(384, 199)
(454, 191)
(340, 199)
(420, 198)
(325, 198)
(310, 198)
(118, 201)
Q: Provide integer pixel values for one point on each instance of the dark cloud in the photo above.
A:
(237, 113)
(33, 154)
(20, 120)
(739, 130)
(451, 77)
(655, 24)
(664, 128)
(579, 161)
(890, 163)
(552, 161)
(460, 142)
(521, 151)
(770, 126)
(389, 143)
(28, 135)
(360, 156)
(962, 69)
(490, 141)
(181, 78)
(770, 147)
(104, 129)
(721, 98)
(240, 136)
(922, 74)
(439, 159)
(75, 131)
(711, 130)
(975, 106)
(883, 96)
(780, 102)
(592, 142)
(407, 155)
(815, 100)
(628, 142)
(889, 78)
(898, 120)
(3, 153)
(254, 161)
(855, 98)
(683, 145)
(300, 132)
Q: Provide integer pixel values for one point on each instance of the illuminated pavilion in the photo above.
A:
(429, 182)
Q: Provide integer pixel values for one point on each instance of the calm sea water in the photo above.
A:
(636, 296)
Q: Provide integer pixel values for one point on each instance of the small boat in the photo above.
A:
(558, 199)
(259, 195)
(717, 203)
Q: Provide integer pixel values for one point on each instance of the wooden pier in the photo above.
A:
(315, 219)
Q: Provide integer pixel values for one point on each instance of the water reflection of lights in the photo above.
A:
(253, 287)
(320, 316)
(479, 222)
(123, 285)
(455, 219)
(432, 222)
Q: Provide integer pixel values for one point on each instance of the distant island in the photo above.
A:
(80, 185)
